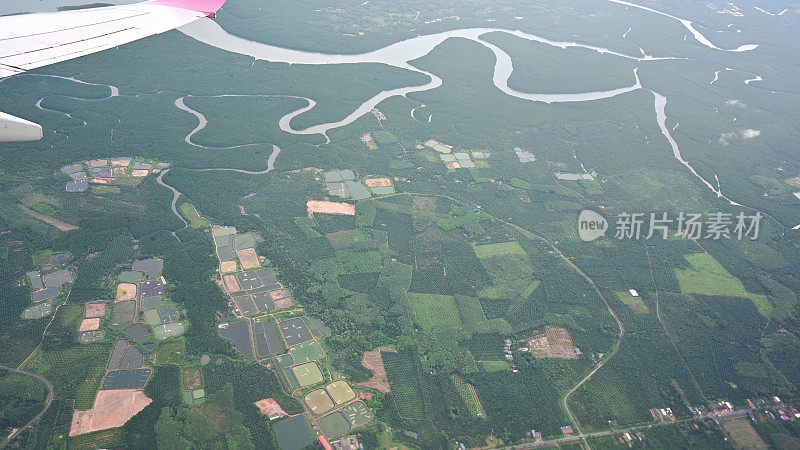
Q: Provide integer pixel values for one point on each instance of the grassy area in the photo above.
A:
(743, 434)
(494, 366)
(195, 219)
(706, 276)
(636, 303)
(171, 352)
(435, 311)
(499, 249)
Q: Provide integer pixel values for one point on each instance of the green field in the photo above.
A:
(305, 352)
(152, 318)
(434, 312)
(706, 276)
(308, 374)
(636, 303)
(169, 330)
(357, 414)
(195, 219)
(499, 249)
(319, 401)
(334, 425)
(465, 390)
(130, 276)
(340, 392)
(494, 366)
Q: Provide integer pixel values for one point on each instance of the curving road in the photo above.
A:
(50, 397)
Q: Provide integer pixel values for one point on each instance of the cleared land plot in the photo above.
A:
(326, 207)
(263, 301)
(245, 304)
(45, 294)
(278, 294)
(38, 311)
(152, 318)
(500, 249)
(126, 291)
(112, 409)
(168, 314)
(243, 241)
(231, 285)
(57, 278)
(133, 358)
(152, 302)
(169, 330)
(285, 302)
(319, 401)
(435, 312)
(560, 343)
(192, 379)
(239, 333)
(295, 331)
(293, 433)
(373, 361)
(378, 182)
(94, 309)
(127, 378)
(249, 280)
(228, 266)
(743, 434)
(270, 408)
(706, 276)
(248, 258)
(138, 332)
(152, 287)
(340, 392)
(89, 325)
(307, 374)
(124, 312)
(357, 414)
(130, 276)
(268, 340)
(120, 346)
(334, 425)
(308, 351)
(636, 303)
(151, 267)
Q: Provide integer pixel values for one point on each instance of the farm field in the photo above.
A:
(706, 276)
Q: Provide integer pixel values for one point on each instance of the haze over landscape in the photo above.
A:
(439, 224)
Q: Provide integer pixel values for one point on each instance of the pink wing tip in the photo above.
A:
(203, 6)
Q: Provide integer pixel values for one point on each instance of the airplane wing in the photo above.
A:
(28, 41)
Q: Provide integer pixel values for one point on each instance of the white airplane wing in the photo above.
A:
(28, 41)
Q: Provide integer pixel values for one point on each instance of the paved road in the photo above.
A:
(48, 401)
(582, 436)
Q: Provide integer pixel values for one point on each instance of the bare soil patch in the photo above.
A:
(231, 285)
(89, 325)
(95, 309)
(270, 408)
(326, 207)
(373, 361)
(378, 182)
(126, 291)
(249, 258)
(60, 224)
(227, 266)
(112, 409)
